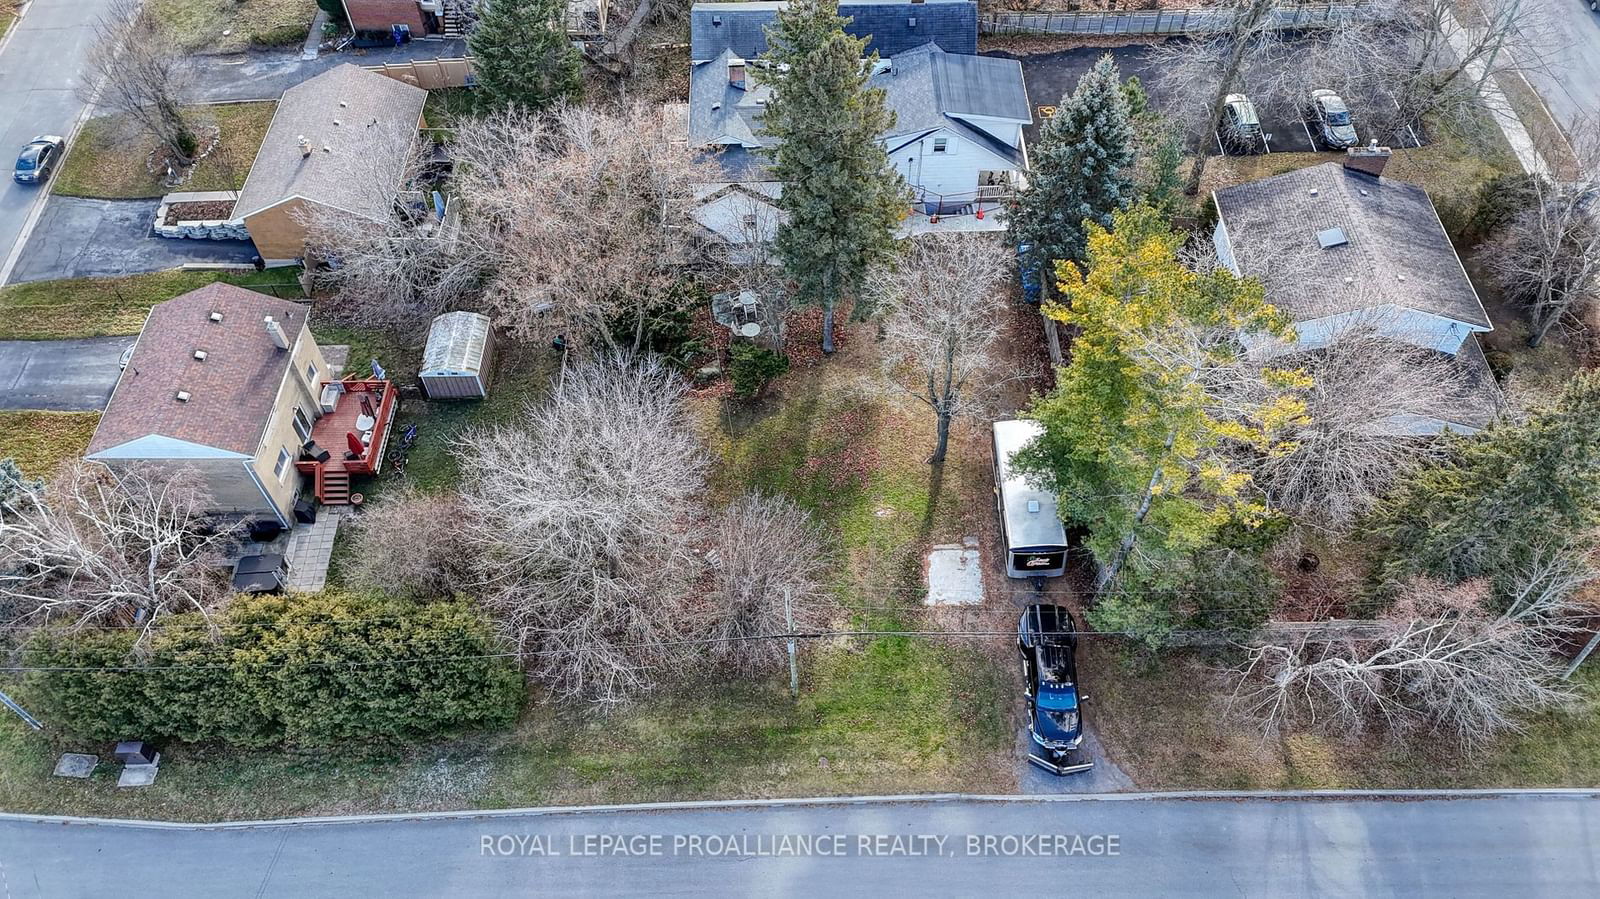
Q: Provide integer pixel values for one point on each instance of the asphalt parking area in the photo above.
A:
(77, 237)
(60, 375)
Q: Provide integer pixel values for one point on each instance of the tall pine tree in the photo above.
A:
(523, 55)
(1508, 492)
(1082, 170)
(843, 198)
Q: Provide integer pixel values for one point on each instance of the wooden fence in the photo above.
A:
(1163, 21)
(430, 74)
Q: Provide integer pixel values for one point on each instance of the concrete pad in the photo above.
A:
(139, 775)
(76, 764)
(955, 577)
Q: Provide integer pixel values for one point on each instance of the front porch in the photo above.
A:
(350, 437)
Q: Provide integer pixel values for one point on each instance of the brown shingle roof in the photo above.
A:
(231, 393)
(377, 126)
(1397, 249)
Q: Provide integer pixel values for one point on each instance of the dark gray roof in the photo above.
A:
(1397, 251)
(890, 27)
(377, 122)
(926, 88)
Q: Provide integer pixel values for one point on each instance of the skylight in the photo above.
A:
(1333, 237)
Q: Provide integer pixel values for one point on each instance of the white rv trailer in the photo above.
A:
(1034, 537)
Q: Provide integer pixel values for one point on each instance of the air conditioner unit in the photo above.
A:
(433, 6)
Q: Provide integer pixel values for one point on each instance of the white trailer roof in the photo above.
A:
(1031, 517)
(456, 342)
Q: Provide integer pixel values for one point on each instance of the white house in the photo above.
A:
(1338, 246)
(959, 117)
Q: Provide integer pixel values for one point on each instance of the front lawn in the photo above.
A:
(110, 157)
(225, 26)
(100, 307)
(41, 441)
(1168, 727)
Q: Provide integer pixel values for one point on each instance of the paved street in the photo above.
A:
(1510, 846)
(77, 237)
(1572, 86)
(39, 69)
(59, 375)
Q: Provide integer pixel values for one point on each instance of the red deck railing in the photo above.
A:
(330, 433)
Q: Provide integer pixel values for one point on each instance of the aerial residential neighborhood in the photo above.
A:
(831, 447)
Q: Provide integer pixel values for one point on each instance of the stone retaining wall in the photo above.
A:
(230, 229)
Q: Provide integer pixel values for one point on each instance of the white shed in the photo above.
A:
(457, 359)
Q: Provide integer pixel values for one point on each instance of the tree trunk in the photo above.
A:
(1109, 573)
(828, 298)
(1241, 32)
(942, 446)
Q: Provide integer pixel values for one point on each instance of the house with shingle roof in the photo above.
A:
(889, 28)
(1337, 247)
(959, 117)
(230, 383)
(340, 140)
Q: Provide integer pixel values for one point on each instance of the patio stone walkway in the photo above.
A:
(310, 548)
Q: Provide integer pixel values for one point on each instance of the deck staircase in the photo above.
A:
(452, 24)
(335, 487)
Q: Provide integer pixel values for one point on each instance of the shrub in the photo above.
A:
(406, 545)
(753, 367)
(280, 36)
(1499, 200)
(303, 670)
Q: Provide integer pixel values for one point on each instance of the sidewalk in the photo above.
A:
(1499, 107)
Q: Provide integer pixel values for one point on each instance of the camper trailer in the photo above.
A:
(1035, 539)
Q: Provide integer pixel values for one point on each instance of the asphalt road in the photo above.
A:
(1571, 87)
(60, 375)
(76, 237)
(39, 73)
(1515, 846)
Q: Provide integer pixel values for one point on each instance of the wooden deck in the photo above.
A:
(331, 479)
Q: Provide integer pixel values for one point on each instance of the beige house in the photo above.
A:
(338, 141)
(230, 383)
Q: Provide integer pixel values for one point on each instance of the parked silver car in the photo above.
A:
(38, 159)
(1333, 120)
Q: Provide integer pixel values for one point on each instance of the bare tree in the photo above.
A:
(1354, 440)
(1548, 256)
(590, 212)
(579, 515)
(942, 298)
(767, 566)
(1445, 660)
(406, 544)
(135, 66)
(93, 549)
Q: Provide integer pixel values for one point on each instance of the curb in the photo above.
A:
(820, 802)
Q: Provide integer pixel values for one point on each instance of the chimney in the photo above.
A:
(736, 72)
(1368, 160)
(305, 147)
(275, 331)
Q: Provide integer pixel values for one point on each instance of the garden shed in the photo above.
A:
(457, 359)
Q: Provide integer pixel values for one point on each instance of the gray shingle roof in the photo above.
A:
(1397, 250)
(377, 125)
(891, 27)
(926, 87)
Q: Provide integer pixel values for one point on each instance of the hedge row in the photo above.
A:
(301, 670)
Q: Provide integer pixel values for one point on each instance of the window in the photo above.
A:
(282, 468)
(750, 221)
(311, 373)
(302, 425)
(941, 144)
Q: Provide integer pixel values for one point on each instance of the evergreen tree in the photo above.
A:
(523, 55)
(1510, 491)
(843, 198)
(1082, 170)
(1140, 436)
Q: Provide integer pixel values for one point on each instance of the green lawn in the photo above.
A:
(446, 107)
(198, 26)
(41, 441)
(109, 158)
(98, 307)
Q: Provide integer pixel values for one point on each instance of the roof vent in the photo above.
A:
(199, 355)
(1349, 280)
(716, 21)
(216, 317)
(1333, 237)
(1313, 191)
(183, 396)
(1365, 192)
(1033, 505)
(305, 146)
(911, 22)
(1401, 277)
(337, 123)
(715, 107)
(326, 148)
(343, 104)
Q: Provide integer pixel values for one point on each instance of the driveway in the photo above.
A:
(263, 75)
(1050, 76)
(1571, 86)
(60, 375)
(40, 64)
(1175, 845)
(76, 237)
